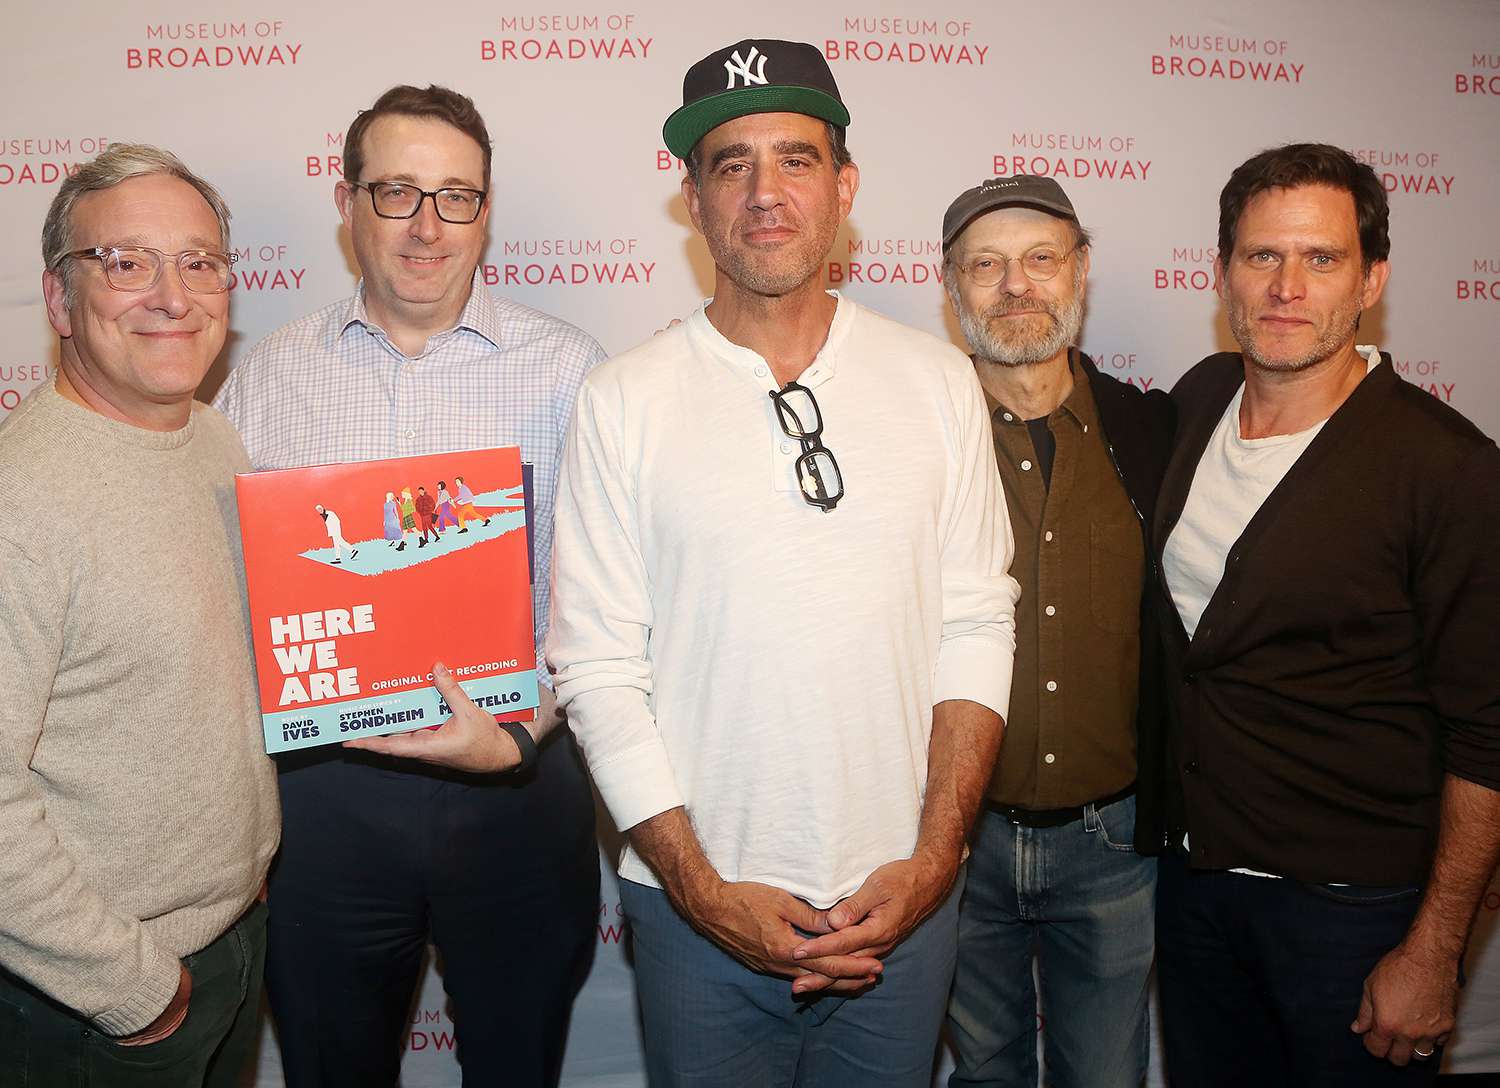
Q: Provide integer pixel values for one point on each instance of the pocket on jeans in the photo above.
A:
(15, 1044)
(1117, 825)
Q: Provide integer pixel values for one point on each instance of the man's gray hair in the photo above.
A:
(117, 163)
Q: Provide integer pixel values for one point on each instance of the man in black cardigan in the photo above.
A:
(1052, 872)
(1326, 540)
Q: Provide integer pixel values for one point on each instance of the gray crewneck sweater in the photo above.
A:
(138, 811)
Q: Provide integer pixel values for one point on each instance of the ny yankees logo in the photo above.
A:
(737, 67)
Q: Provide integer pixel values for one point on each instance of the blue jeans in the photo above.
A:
(1260, 979)
(1079, 899)
(711, 1022)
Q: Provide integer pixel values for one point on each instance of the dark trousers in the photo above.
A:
(1260, 979)
(45, 1045)
(501, 874)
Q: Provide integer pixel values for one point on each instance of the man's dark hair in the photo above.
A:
(836, 146)
(1296, 165)
(436, 103)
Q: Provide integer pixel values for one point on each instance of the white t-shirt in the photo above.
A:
(1233, 478)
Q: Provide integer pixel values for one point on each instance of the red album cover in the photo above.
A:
(362, 575)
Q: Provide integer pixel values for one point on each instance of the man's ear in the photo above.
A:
(690, 198)
(55, 293)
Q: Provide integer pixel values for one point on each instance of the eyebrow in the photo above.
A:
(798, 147)
(450, 182)
(730, 151)
(780, 147)
(196, 241)
(1329, 248)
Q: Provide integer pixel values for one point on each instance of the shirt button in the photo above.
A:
(1025, 466)
(1051, 610)
(410, 433)
(1008, 418)
(1085, 428)
(1049, 758)
(760, 372)
(1191, 767)
(1047, 536)
(1051, 685)
(786, 447)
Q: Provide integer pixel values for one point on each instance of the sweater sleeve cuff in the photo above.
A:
(150, 999)
(976, 668)
(638, 785)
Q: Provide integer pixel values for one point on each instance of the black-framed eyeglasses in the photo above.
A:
(398, 200)
(137, 268)
(818, 474)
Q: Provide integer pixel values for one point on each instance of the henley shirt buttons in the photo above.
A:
(1049, 758)
(1025, 466)
(1048, 536)
(1051, 685)
(786, 447)
(1051, 610)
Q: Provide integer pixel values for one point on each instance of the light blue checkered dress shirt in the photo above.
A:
(332, 387)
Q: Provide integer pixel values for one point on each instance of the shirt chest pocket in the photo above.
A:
(1116, 555)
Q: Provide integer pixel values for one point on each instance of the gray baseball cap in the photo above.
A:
(1022, 190)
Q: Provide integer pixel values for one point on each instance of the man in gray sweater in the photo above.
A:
(138, 813)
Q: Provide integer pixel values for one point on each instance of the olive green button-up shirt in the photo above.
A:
(1070, 737)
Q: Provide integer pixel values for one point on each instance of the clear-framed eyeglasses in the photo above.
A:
(137, 268)
(399, 200)
(1039, 263)
(818, 473)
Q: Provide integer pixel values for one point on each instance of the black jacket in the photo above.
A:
(1347, 660)
(1138, 432)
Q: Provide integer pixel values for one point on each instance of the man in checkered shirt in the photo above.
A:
(467, 835)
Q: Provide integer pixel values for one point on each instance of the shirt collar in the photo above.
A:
(480, 316)
(820, 370)
(1079, 403)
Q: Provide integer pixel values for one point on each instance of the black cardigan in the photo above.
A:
(1348, 658)
(1138, 434)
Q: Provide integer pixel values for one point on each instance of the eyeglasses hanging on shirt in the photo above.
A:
(818, 475)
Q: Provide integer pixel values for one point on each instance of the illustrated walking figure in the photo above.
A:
(466, 511)
(408, 517)
(425, 507)
(445, 514)
(336, 534)
(392, 530)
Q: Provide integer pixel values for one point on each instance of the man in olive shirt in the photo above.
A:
(1054, 872)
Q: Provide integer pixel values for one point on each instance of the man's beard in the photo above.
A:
(775, 273)
(1022, 344)
(1341, 327)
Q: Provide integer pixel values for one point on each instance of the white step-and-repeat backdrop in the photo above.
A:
(1139, 109)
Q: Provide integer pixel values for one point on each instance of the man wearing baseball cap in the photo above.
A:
(1053, 872)
(782, 624)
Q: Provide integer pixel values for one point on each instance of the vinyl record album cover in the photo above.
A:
(361, 575)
